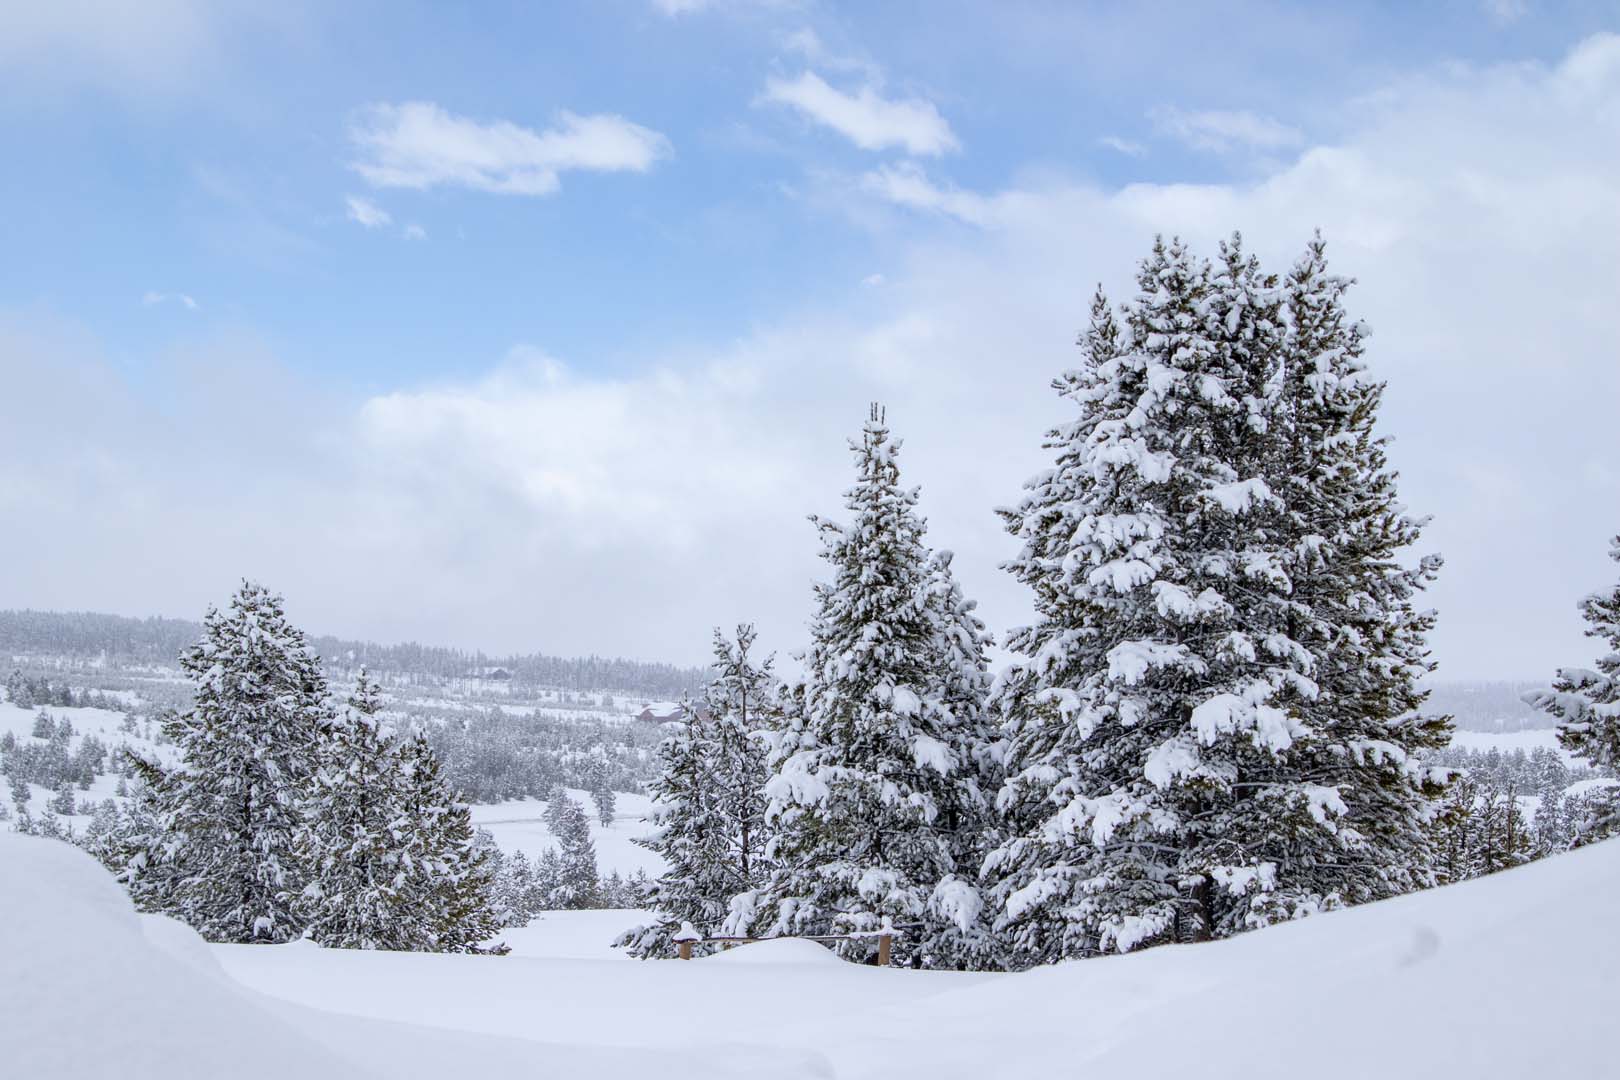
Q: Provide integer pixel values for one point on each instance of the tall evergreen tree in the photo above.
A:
(1351, 605)
(865, 767)
(1185, 756)
(962, 935)
(229, 814)
(1586, 702)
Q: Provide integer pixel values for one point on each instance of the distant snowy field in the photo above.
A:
(1509, 741)
(520, 825)
(1430, 985)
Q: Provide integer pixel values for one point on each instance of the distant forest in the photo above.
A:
(160, 641)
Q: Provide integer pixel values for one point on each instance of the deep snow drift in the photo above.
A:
(1508, 976)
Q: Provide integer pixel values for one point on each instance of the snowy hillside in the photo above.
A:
(1489, 979)
(520, 825)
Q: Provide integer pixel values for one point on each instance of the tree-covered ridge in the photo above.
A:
(160, 640)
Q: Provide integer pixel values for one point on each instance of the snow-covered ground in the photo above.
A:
(104, 724)
(520, 825)
(1507, 976)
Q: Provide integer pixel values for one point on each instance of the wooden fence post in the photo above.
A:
(883, 949)
(683, 940)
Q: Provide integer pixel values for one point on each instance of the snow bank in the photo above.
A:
(1505, 977)
(794, 951)
(574, 935)
(1494, 979)
(92, 990)
(88, 993)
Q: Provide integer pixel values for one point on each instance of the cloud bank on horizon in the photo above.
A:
(592, 418)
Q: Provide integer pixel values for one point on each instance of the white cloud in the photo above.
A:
(866, 118)
(907, 185)
(185, 301)
(419, 145)
(1220, 130)
(414, 231)
(366, 212)
(1123, 146)
(637, 510)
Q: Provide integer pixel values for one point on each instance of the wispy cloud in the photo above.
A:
(414, 231)
(419, 145)
(907, 185)
(865, 117)
(676, 8)
(185, 301)
(1123, 146)
(1220, 130)
(367, 213)
(1505, 12)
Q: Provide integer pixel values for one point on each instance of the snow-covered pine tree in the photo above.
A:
(62, 802)
(355, 899)
(1586, 702)
(513, 880)
(686, 835)
(449, 875)
(544, 881)
(225, 856)
(601, 791)
(577, 883)
(865, 765)
(708, 801)
(962, 935)
(1143, 721)
(741, 705)
(1351, 792)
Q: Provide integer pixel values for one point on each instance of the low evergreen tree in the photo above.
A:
(62, 802)
(708, 801)
(450, 876)
(1586, 702)
(601, 791)
(352, 818)
(577, 883)
(695, 886)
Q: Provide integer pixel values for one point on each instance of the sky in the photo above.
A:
(543, 327)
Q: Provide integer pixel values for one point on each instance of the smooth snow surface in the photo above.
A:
(1506, 977)
(794, 951)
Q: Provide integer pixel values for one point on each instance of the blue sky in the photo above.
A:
(461, 250)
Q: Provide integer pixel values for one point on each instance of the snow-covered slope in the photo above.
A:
(520, 825)
(1508, 976)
